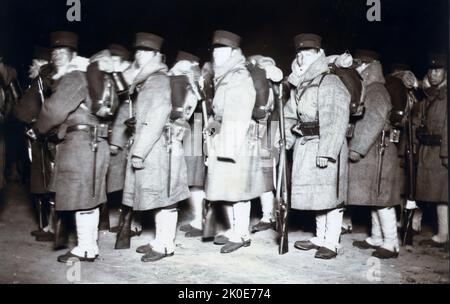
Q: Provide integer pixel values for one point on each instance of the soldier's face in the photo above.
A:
(221, 55)
(144, 56)
(62, 57)
(436, 76)
(306, 57)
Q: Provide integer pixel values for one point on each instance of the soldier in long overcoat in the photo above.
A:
(26, 110)
(317, 116)
(374, 166)
(235, 169)
(156, 177)
(82, 155)
(432, 133)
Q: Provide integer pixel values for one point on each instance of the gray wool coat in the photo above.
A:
(73, 180)
(315, 188)
(362, 189)
(147, 189)
(235, 171)
(432, 175)
(119, 137)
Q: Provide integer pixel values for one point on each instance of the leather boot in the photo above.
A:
(104, 217)
(61, 234)
(124, 233)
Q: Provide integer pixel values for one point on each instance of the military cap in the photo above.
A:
(437, 61)
(366, 56)
(307, 41)
(148, 41)
(225, 38)
(64, 39)
(119, 50)
(42, 53)
(186, 56)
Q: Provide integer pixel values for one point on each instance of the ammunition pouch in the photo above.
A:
(102, 129)
(303, 129)
(430, 139)
(397, 119)
(394, 135)
(350, 130)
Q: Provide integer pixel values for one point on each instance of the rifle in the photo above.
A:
(408, 210)
(169, 151)
(208, 215)
(382, 148)
(94, 150)
(281, 196)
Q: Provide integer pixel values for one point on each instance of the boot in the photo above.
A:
(124, 233)
(87, 233)
(388, 221)
(61, 234)
(104, 217)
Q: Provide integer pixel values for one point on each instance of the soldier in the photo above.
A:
(235, 172)
(432, 174)
(187, 65)
(264, 73)
(82, 156)
(156, 177)
(319, 172)
(42, 152)
(112, 103)
(9, 92)
(374, 162)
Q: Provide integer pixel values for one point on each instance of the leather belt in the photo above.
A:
(102, 129)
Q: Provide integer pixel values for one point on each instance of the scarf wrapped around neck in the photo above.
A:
(298, 76)
(236, 61)
(153, 66)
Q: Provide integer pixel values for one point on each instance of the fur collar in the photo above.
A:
(235, 63)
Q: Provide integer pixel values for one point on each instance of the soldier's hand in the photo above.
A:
(445, 162)
(354, 156)
(137, 162)
(114, 150)
(321, 162)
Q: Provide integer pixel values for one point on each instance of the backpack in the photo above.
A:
(354, 84)
(262, 88)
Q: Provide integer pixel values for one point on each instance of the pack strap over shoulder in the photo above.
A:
(309, 85)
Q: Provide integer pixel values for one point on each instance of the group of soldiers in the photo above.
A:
(217, 134)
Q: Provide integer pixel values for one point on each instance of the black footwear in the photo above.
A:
(383, 253)
(346, 230)
(65, 257)
(364, 245)
(186, 228)
(220, 239)
(232, 246)
(123, 238)
(144, 248)
(45, 236)
(305, 245)
(153, 256)
(36, 232)
(61, 234)
(194, 232)
(262, 226)
(325, 253)
(432, 243)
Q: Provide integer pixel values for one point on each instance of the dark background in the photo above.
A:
(408, 31)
